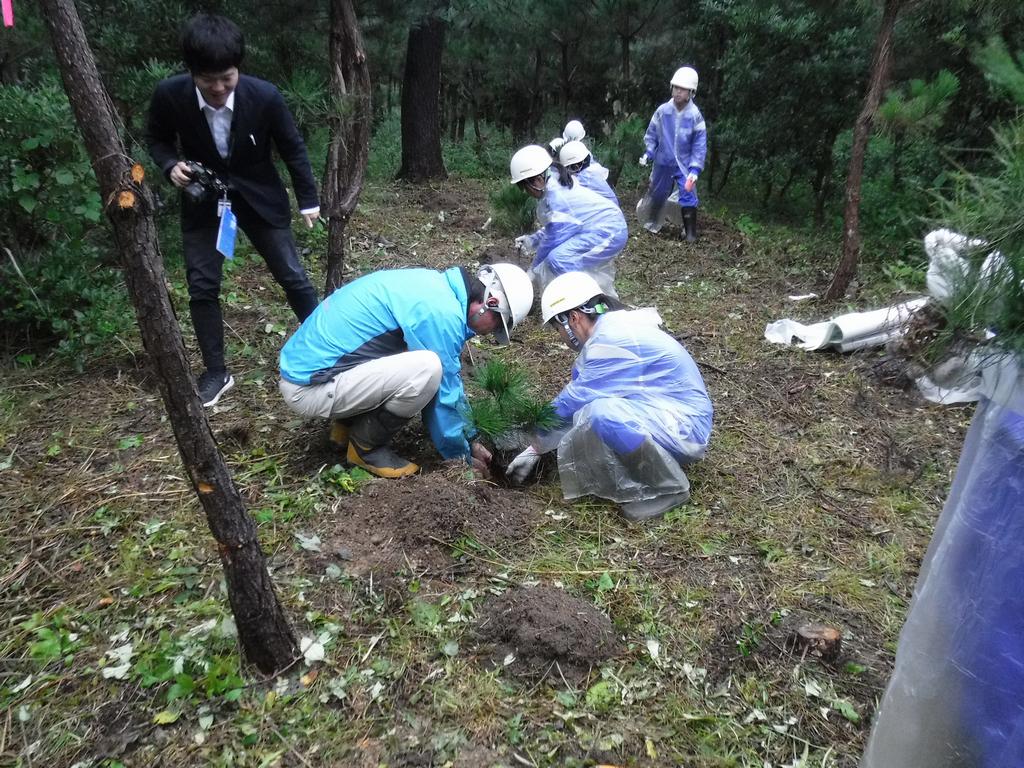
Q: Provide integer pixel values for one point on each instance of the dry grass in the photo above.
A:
(816, 500)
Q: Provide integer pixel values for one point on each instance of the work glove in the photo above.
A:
(556, 144)
(522, 465)
(691, 181)
(643, 159)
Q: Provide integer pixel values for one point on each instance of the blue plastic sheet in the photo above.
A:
(956, 697)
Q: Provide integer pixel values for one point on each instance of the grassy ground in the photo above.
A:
(816, 502)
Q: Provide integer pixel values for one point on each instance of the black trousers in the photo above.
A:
(204, 270)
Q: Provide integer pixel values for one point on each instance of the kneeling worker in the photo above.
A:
(635, 411)
(387, 346)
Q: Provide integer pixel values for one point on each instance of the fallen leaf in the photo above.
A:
(103, 602)
(166, 717)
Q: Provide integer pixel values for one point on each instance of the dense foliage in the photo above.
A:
(781, 82)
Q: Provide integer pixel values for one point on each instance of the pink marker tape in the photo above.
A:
(8, 6)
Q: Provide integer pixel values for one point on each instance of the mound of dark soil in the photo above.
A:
(542, 627)
(391, 524)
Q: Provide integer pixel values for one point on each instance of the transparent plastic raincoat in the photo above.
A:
(582, 232)
(595, 177)
(635, 411)
(677, 143)
(956, 697)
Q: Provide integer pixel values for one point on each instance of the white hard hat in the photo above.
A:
(573, 131)
(568, 291)
(685, 77)
(573, 152)
(532, 160)
(508, 291)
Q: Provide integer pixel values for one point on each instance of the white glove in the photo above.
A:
(522, 241)
(643, 159)
(522, 465)
(556, 144)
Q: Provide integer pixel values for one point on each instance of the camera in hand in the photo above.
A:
(204, 183)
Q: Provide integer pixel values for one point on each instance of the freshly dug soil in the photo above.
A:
(392, 524)
(547, 631)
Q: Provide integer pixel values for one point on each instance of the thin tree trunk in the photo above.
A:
(788, 183)
(421, 109)
(263, 629)
(624, 59)
(881, 63)
(350, 123)
(725, 173)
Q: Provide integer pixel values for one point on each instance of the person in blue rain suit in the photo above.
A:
(677, 142)
(581, 231)
(387, 346)
(577, 159)
(635, 412)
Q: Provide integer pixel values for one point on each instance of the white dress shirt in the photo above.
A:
(219, 121)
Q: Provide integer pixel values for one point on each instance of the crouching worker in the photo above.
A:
(581, 231)
(635, 411)
(387, 346)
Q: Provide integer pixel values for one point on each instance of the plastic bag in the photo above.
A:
(955, 695)
(670, 212)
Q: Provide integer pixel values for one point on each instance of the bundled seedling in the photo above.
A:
(507, 412)
(512, 210)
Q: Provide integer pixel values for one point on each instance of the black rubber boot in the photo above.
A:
(368, 440)
(338, 437)
(689, 224)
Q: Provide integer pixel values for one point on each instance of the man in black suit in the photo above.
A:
(228, 122)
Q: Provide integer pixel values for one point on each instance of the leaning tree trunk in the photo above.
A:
(881, 63)
(263, 629)
(350, 123)
(421, 109)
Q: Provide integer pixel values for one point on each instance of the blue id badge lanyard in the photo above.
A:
(228, 229)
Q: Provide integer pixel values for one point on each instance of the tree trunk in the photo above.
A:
(881, 63)
(624, 60)
(788, 183)
(421, 109)
(566, 68)
(263, 629)
(725, 173)
(350, 124)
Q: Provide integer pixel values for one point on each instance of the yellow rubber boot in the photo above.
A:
(338, 437)
(380, 461)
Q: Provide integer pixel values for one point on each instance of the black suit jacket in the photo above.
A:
(260, 118)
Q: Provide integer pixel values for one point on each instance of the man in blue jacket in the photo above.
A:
(229, 123)
(387, 346)
(677, 142)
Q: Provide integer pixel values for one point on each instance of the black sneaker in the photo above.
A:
(212, 385)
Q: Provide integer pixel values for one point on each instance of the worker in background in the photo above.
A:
(573, 131)
(387, 346)
(577, 159)
(635, 411)
(676, 141)
(581, 231)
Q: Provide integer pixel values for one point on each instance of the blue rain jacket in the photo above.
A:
(640, 383)
(595, 177)
(583, 229)
(385, 313)
(677, 142)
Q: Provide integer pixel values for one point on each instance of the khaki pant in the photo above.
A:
(403, 383)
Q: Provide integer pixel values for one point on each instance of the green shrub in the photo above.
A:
(512, 210)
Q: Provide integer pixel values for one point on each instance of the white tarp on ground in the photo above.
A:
(855, 330)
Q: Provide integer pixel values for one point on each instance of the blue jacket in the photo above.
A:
(582, 227)
(595, 177)
(629, 357)
(677, 138)
(385, 313)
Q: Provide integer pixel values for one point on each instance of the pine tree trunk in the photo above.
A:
(881, 63)
(263, 629)
(350, 123)
(421, 108)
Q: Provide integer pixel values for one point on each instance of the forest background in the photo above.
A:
(781, 86)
